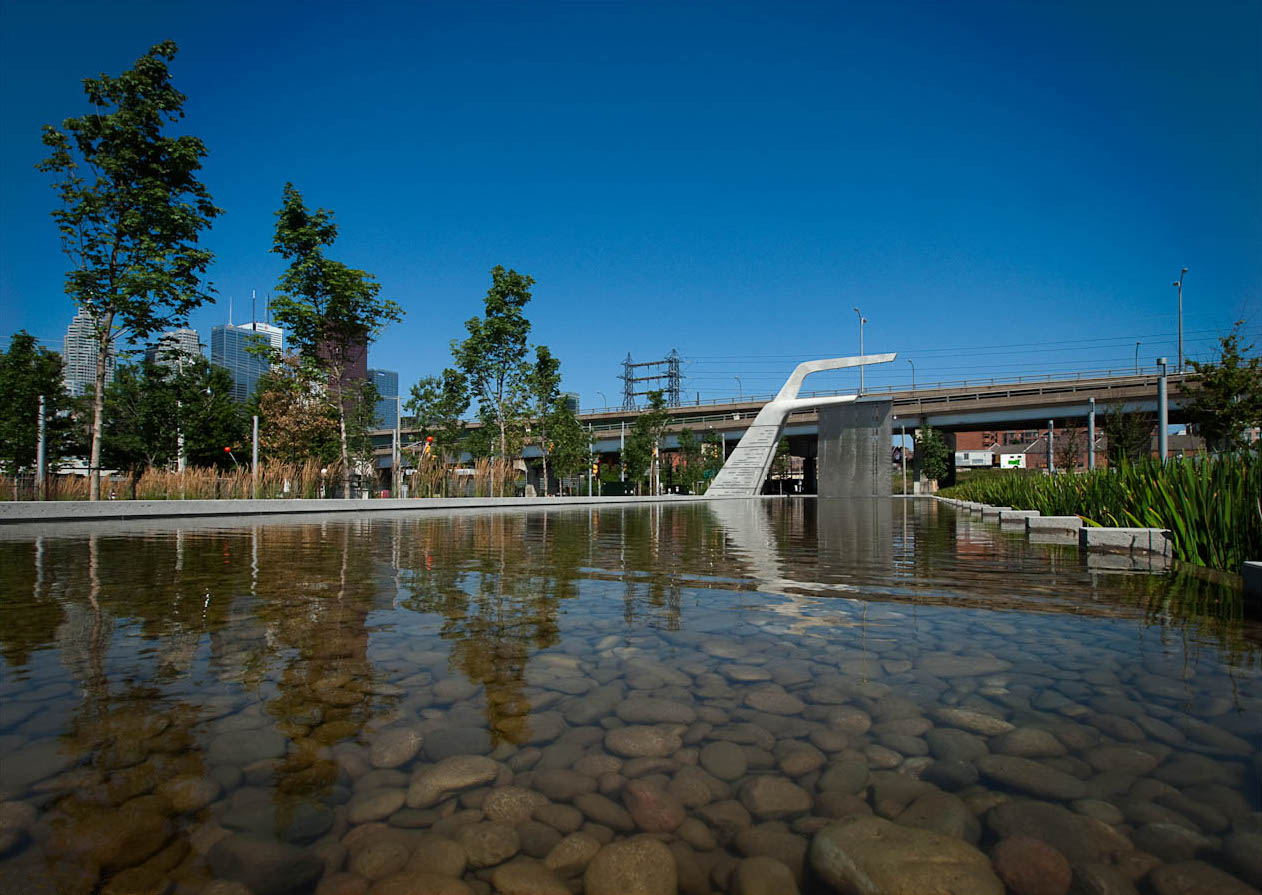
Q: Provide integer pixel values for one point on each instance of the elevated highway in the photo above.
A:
(966, 405)
(1024, 402)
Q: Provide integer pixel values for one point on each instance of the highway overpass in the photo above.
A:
(979, 404)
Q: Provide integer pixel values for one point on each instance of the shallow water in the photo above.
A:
(386, 704)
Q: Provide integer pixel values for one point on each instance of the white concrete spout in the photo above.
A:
(745, 471)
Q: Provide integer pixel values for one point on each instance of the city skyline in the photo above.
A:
(1000, 191)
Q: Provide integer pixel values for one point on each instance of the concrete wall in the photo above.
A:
(854, 449)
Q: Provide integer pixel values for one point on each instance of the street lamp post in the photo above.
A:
(862, 320)
(604, 402)
(913, 373)
(740, 390)
(1136, 358)
(1178, 284)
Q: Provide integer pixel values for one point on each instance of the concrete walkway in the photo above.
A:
(17, 512)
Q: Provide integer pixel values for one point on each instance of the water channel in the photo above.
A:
(592, 698)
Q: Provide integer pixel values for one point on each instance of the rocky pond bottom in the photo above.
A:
(758, 698)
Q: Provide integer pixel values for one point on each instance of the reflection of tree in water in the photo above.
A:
(120, 737)
(497, 582)
(312, 590)
(660, 549)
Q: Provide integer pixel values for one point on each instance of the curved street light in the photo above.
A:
(740, 391)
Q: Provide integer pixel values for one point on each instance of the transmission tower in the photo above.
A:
(664, 372)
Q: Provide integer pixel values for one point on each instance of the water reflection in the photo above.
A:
(208, 684)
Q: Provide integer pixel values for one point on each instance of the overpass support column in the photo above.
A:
(854, 449)
(1091, 435)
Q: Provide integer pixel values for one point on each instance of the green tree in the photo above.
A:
(1069, 448)
(296, 422)
(570, 448)
(332, 313)
(933, 453)
(493, 356)
(544, 384)
(1129, 433)
(781, 463)
(438, 405)
(690, 459)
(644, 440)
(208, 416)
(1227, 400)
(713, 449)
(27, 371)
(131, 213)
(141, 418)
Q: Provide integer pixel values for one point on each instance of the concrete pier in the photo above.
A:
(1126, 540)
(1054, 524)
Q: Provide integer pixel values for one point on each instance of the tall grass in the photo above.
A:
(434, 477)
(276, 480)
(1212, 505)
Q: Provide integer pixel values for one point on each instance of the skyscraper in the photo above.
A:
(387, 383)
(173, 346)
(229, 348)
(79, 351)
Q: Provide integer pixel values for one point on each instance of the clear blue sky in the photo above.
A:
(725, 179)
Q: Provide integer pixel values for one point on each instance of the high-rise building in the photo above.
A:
(174, 346)
(230, 348)
(80, 351)
(387, 383)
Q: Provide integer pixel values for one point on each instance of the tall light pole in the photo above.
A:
(913, 373)
(740, 390)
(862, 320)
(1136, 358)
(604, 402)
(1178, 284)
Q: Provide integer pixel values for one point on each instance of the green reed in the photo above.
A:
(1212, 505)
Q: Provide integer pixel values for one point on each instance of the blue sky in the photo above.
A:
(1002, 188)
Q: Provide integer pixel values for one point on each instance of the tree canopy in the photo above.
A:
(493, 356)
(1227, 400)
(644, 439)
(933, 453)
(131, 213)
(27, 371)
(331, 313)
(543, 382)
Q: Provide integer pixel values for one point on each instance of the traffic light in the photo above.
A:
(596, 469)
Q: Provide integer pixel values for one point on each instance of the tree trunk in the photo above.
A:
(98, 408)
(503, 454)
(543, 450)
(346, 460)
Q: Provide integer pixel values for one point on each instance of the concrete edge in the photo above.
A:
(1054, 523)
(1150, 542)
(26, 512)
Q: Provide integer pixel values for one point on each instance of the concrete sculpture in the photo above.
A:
(746, 469)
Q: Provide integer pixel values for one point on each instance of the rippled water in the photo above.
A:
(485, 701)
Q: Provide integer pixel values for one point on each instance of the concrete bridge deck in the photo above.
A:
(952, 407)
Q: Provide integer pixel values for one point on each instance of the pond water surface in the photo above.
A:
(741, 696)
